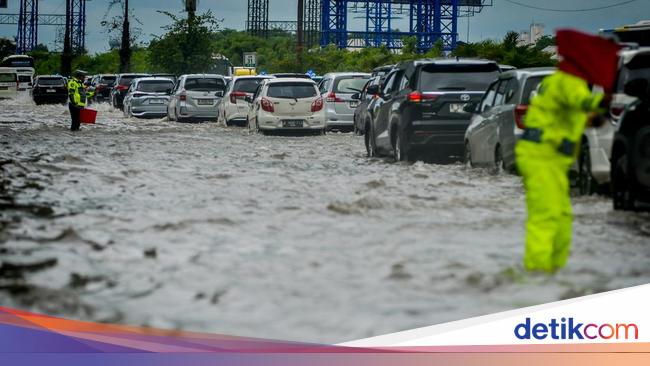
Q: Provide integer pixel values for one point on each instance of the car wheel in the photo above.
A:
(467, 157)
(499, 164)
(369, 139)
(400, 148)
(586, 181)
(622, 197)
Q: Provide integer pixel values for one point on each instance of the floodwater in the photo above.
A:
(206, 228)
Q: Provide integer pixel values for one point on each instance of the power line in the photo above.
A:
(571, 10)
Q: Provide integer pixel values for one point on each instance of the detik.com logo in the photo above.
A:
(569, 328)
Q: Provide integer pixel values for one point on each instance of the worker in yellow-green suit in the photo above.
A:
(555, 122)
(77, 98)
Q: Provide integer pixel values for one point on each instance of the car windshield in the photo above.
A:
(531, 85)
(51, 81)
(293, 90)
(350, 85)
(155, 86)
(457, 77)
(205, 84)
(126, 80)
(246, 85)
(108, 80)
(7, 78)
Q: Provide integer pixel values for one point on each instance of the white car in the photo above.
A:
(148, 97)
(196, 96)
(338, 89)
(287, 104)
(233, 109)
(592, 169)
(8, 83)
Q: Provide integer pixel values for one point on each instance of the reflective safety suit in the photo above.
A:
(77, 101)
(555, 122)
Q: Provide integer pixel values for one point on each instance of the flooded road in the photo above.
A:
(205, 228)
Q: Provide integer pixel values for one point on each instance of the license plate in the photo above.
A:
(6, 84)
(51, 91)
(292, 123)
(457, 108)
(157, 101)
(204, 101)
(354, 104)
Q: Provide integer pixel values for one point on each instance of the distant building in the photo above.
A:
(532, 35)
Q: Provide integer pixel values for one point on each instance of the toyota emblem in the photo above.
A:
(465, 97)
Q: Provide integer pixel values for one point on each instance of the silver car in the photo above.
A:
(498, 120)
(337, 89)
(196, 96)
(148, 97)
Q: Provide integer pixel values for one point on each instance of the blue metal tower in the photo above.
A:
(428, 21)
(28, 20)
(27, 37)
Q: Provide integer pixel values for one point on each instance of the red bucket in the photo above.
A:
(88, 115)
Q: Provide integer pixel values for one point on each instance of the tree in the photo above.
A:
(7, 47)
(128, 35)
(186, 47)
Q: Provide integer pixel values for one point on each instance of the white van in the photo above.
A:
(25, 78)
(8, 83)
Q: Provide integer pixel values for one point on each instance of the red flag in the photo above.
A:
(589, 57)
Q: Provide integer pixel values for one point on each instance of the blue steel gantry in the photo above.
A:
(428, 21)
(28, 20)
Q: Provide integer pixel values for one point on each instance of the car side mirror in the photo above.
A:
(470, 107)
(637, 88)
(356, 96)
(219, 93)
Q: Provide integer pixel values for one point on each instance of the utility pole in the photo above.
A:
(66, 57)
(125, 49)
(300, 32)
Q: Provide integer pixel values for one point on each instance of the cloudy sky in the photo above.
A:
(493, 22)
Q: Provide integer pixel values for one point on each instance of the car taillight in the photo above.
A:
(267, 105)
(317, 105)
(332, 98)
(616, 111)
(182, 97)
(237, 95)
(520, 113)
(100, 87)
(122, 87)
(417, 97)
(17, 84)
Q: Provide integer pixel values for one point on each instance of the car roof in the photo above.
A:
(252, 77)
(205, 76)
(347, 73)
(292, 80)
(451, 61)
(154, 78)
(531, 71)
(50, 76)
(629, 54)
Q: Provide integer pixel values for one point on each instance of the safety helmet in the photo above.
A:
(80, 73)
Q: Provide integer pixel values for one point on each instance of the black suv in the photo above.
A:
(630, 170)
(423, 109)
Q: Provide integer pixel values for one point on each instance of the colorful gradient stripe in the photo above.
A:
(32, 339)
